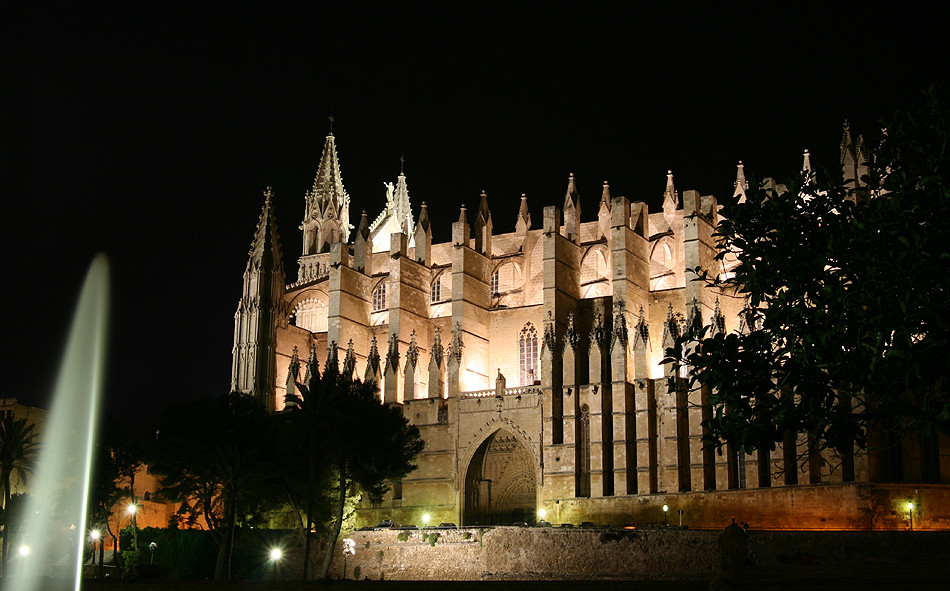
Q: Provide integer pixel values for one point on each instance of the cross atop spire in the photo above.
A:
(331, 123)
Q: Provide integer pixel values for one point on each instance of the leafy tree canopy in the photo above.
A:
(847, 302)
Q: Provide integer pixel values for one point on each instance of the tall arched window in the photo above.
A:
(528, 355)
(435, 293)
(379, 297)
(494, 283)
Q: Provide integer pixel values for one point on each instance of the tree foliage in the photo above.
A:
(847, 302)
(18, 452)
(213, 457)
(350, 434)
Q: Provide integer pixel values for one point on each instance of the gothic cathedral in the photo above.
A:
(530, 360)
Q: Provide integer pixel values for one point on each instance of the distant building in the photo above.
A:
(530, 360)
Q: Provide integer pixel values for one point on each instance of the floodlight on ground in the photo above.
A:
(542, 514)
(425, 520)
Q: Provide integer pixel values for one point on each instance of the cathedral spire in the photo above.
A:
(362, 246)
(423, 237)
(255, 321)
(523, 224)
(670, 200)
(265, 248)
(396, 216)
(327, 211)
(483, 226)
(572, 211)
(807, 172)
(741, 185)
(603, 212)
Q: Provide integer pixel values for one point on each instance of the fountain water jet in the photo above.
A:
(55, 518)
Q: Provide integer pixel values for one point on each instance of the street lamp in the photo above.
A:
(910, 508)
(96, 538)
(665, 509)
(133, 510)
(275, 556)
(425, 520)
(542, 514)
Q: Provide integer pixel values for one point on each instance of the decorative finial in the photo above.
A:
(402, 163)
(331, 121)
(483, 193)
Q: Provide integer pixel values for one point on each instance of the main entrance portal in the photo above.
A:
(501, 483)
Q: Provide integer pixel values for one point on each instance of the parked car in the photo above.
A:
(446, 526)
(386, 524)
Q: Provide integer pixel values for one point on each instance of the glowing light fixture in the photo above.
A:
(131, 508)
(24, 550)
(425, 520)
(94, 534)
(666, 508)
(542, 514)
(276, 554)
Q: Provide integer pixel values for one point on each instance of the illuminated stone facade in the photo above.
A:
(529, 359)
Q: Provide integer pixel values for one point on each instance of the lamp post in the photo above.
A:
(666, 508)
(133, 510)
(275, 555)
(425, 520)
(96, 538)
(152, 548)
(910, 508)
(541, 515)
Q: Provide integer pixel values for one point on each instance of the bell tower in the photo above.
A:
(327, 209)
(258, 312)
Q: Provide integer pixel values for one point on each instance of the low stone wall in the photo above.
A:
(513, 553)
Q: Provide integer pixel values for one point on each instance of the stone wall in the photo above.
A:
(513, 553)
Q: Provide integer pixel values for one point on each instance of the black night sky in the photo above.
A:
(149, 133)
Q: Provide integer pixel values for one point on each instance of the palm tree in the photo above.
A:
(18, 449)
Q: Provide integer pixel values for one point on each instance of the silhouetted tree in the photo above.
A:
(213, 457)
(363, 442)
(18, 451)
(847, 302)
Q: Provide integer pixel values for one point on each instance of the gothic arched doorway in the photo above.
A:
(501, 482)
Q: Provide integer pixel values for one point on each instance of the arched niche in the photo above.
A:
(501, 484)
